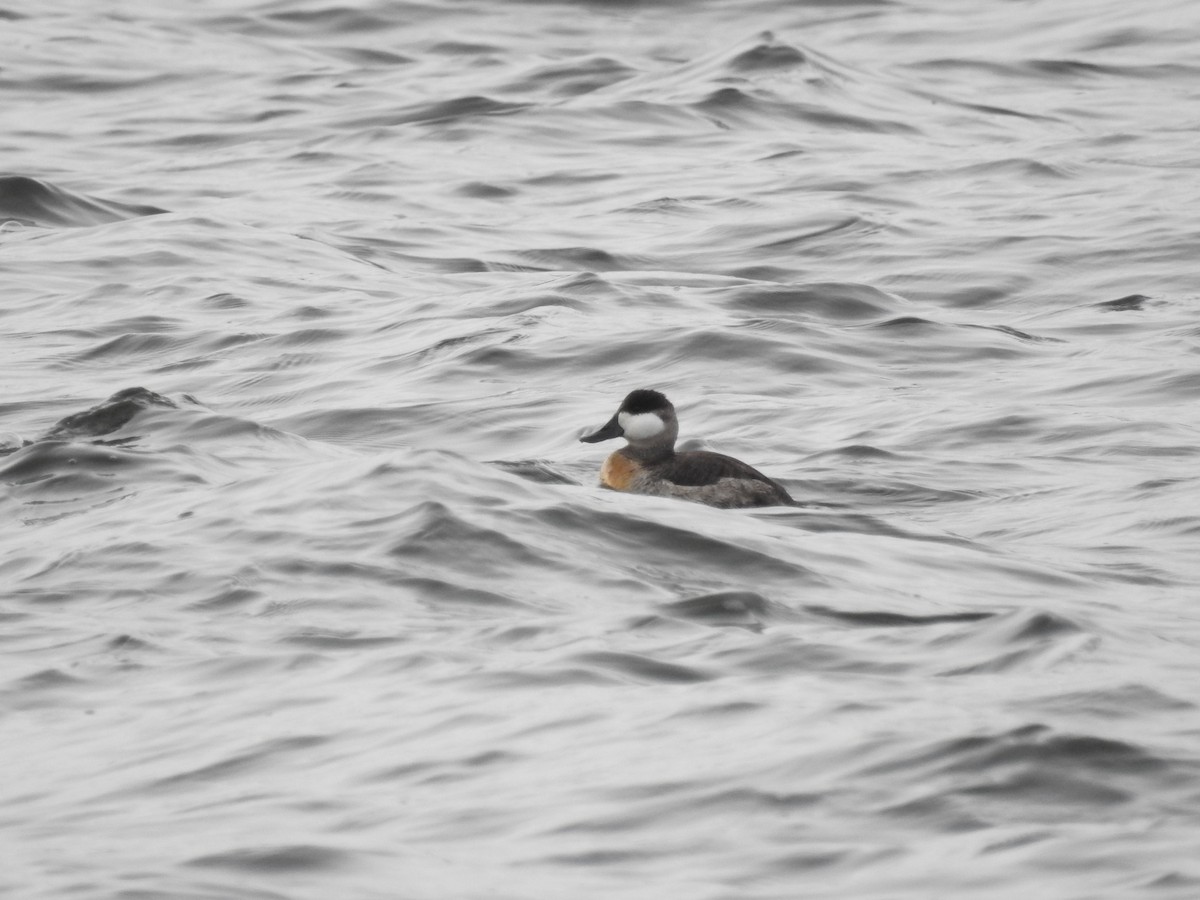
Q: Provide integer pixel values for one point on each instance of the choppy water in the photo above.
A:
(344, 614)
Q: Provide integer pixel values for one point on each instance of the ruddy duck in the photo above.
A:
(650, 465)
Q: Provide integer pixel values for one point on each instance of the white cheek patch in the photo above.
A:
(640, 427)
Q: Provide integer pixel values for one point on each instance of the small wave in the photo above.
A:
(837, 302)
(40, 203)
(538, 470)
(133, 441)
(320, 22)
(368, 57)
(682, 553)
(761, 108)
(584, 259)
(433, 535)
(483, 190)
(640, 668)
(70, 465)
(573, 79)
(888, 619)
(440, 111)
(763, 59)
(265, 755)
(741, 608)
(1018, 640)
(768, 55)
(855, 452)
(52, 480)
(1130, 303)
(109, 416)
(276, 859)
(1037, 750)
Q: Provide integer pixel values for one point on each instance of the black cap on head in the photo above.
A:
(644, 401)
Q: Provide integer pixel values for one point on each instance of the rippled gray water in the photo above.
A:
(335, 608)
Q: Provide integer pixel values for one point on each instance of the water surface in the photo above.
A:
(335, 606)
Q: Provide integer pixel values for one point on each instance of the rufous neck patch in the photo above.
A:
(618, 471)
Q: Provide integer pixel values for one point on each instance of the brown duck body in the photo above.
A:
(698, 475)
(650, 465)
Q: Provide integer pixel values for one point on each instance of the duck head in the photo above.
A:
(646, 419)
